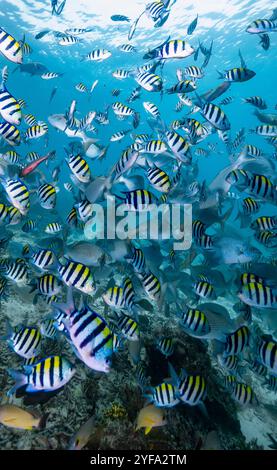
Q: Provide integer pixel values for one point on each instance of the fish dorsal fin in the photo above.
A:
(242, 61)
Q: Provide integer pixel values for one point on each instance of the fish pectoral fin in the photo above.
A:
(147, 430)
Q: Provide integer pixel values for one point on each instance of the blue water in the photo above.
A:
(223, 22)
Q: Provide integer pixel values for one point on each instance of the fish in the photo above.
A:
(164, 395)
(90, 335)
(82, 436)
(33, 165)
(48, 374)
(120, 18)
(191, 28)
(150, 417)
(10, 48)
(24, 341)
(13, 416)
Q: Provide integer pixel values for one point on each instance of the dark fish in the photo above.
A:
(120, 18)
(192, 26)
(57, 9)
(53, 92)
(33, 68)
(211, 95)
(42, 33)
(265, 41)
(207, 53)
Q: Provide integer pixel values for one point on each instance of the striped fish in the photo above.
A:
(261, 186)
(25, 341)
(151, 285)
(230, 363)
(36, 131)
(179, 146)
(29, 226)
(266, 130)
(18, 195)
(253, 151)
(128, 327)
(214, 114)
(11, 157)
(272, 383)
(204, 289)
(128, 294)
(127, 48)
(256, 294)
(43, 259)
(17, 272)
(138, 260)
(10, 48)
(256, 101)
(120, 74)
(159, 179)
(263, 26)
(117, 136)
(48, 328)
(195, 321)
(48, 284)
(267, 350)
(15, 216)
(48, 374)
(154, 147)
(72, 219)
(32, 157)
(68, 40)
(53, 227)
(184, 86)
(192, 389)
(250, 206)
(194, 72)
(198, 228)
(98, 55)
(85, 210)
(9, 107)
(92, 338)
(239, 74)
(47, 196)
(230, 382)
(236, 342)
(77, 275)
(79, 168)
(265, 223)
(259, 368)
(268, 239)
(164, 395)
(166, 346)
(10, 133)
(151, 108)
(174, 49)
(114, 297)
(81, 87)
(4, 213)
(246, 278)
(125, 163)
(226, 101)
(138, 200)
(149, 81)
(50, 75)
(243, 394)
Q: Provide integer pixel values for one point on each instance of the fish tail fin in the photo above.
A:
(68, 306)
(20, 381)
(136, 120)
(43, 420)
(220, 74)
